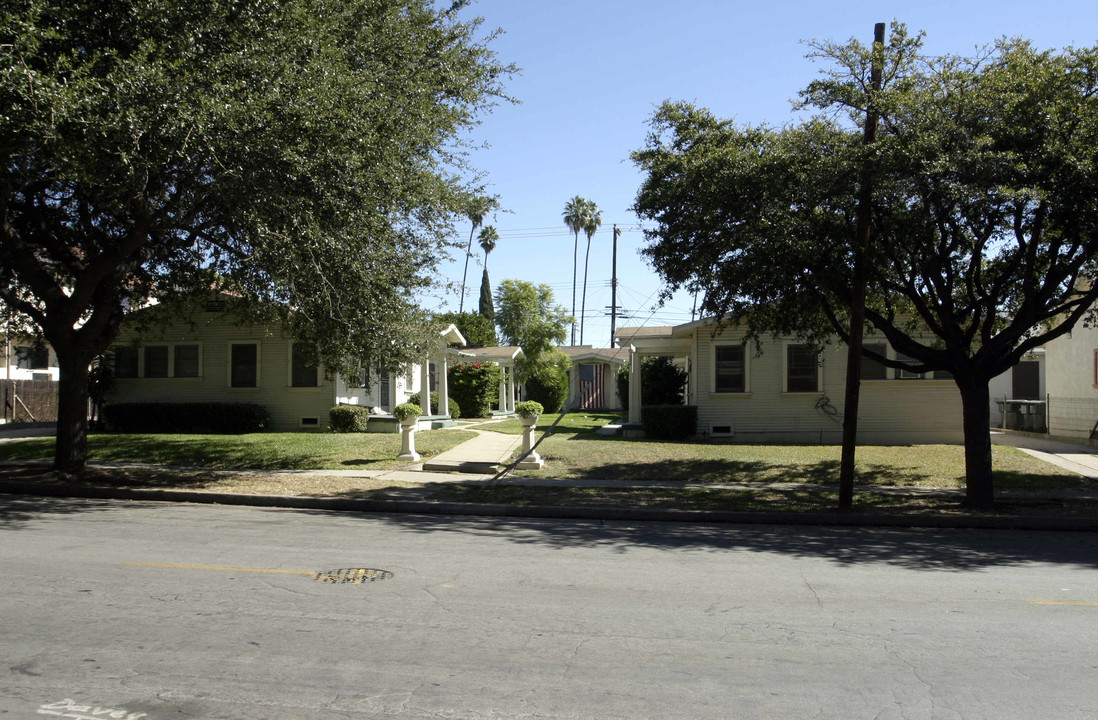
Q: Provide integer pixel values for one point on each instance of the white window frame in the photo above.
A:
(888, 372)
(785, 371)
(258, 364)
(142, 366)
(746, 370)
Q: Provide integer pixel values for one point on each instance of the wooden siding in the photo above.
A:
(891, 411)
(214, 333)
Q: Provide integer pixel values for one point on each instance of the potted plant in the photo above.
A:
(529, 411)
(407, 413)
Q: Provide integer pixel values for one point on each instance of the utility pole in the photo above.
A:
(857, 304)
(614, 286)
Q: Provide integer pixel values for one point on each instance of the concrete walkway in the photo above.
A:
(483, 454)
(1079, 458)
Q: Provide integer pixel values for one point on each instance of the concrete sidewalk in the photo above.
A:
(483, 454)
(1080, 458)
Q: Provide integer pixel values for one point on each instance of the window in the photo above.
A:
(871, 369)
(303, 369)
(125, 361)
(156, 361)
(908, 374)
(32, 358)
(730, 369)
(187, 361)
(802, 369)
(384, 392)
(243, 365)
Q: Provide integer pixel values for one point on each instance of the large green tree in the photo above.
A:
(984, 214)
(302, 152)
(528, 316)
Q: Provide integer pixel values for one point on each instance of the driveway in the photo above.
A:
(1078, 458)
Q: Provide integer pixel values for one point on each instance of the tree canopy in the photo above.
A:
(983, 216)
(307, 153)
(528, 316)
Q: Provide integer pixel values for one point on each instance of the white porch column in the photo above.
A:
(511, 388)
(443, 384)
(425, 386)
(502, 406)
(634, 385)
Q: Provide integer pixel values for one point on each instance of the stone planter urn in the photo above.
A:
(407, 415)
(528, 413)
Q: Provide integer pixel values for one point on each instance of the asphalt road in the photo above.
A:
(154, 611)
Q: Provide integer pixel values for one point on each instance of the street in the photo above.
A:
(153, 611)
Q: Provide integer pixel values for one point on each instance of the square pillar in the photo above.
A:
(443, 385)
(634, 386)
(425, 386)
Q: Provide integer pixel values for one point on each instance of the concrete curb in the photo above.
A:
(422, 507)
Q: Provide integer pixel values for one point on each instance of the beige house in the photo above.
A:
(211, 358)
(787, 393)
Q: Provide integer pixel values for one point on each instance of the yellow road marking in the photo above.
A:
(218, 567)
(1082, 603)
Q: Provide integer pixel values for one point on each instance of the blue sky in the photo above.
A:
(592, 74)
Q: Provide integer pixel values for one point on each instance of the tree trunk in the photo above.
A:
(72, 413)
(979, 485)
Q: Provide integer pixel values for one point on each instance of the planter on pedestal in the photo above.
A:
(407, 415)
(528, 413)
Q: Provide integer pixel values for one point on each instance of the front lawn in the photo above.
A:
(259, 451)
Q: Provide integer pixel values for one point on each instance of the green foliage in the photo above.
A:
(528, 317)
(407, 411)
(452, 406)
(475, 387)
(546, 378)
(487, 309)
(210, 417)
(477, 330)
(305, 152)
(529, 408)
(983, 189)
(348, 418)
(662, 382)
(669, 422)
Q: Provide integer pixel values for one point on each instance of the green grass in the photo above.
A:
(260, 451)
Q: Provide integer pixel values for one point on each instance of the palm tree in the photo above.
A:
(488, 238)
(475, 211)
(575, 218)
(594, 220)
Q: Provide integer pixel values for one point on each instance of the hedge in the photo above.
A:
(669, 422)
(348, 418)
(210, 417)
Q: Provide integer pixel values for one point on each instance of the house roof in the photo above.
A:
(452, 335)
(586, 352)
(625, 334)
(509, 352)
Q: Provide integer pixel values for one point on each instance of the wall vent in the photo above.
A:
(310, 422)
(721, 431)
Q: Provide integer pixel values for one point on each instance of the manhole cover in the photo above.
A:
(355, 576)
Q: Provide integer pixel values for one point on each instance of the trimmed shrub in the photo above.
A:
(455, 411)
(211, 417)
(348, 418)
(407, 411)
(529, 408)
(475, 387)
(669, 422)
(662, 382)
(547, 379)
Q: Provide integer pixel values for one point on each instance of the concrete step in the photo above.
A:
(461, 466)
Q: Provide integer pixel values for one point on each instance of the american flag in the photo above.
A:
(591, 386)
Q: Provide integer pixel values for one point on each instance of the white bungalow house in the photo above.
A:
(592, 379)
(211, 358)
(786, 393)
(1071, 379)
